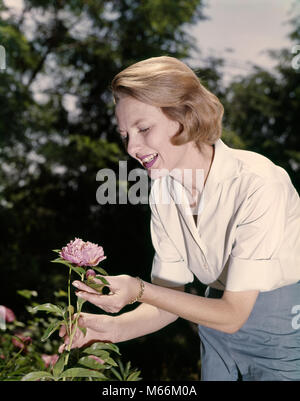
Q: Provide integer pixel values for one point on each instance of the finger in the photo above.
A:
(94, 298)
(109, 303)
(61, 348)
(83, 287)
(77, 336)
(98, 281)
(89, 321)
(62, 331)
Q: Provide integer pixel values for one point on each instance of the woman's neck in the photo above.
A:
(195, 173)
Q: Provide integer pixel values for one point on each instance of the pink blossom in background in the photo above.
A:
(82, 253)
(96, 358)
(50, 360)
(8, 314)
(21, 344)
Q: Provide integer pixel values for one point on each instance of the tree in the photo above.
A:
(60, 52)
(57, 130)
(262, 108)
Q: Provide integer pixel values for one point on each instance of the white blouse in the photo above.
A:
(248, 227)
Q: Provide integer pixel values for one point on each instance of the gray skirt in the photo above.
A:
(266, 348)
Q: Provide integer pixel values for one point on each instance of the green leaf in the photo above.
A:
(77, 269)
(59, 366)
(108, 346)
(80, 301)
(63, 261)
(82, 372)
(95, 286)
(100, 270)
(50, 308)
(102, 346)
(83, 330)
(60, 293)
(134, 376)
(100, 353)
(104, 281)
(66, 314)
(50, 330)
(33, 376)
(111, 362)
(116, 373)
(127, 369)
(27, 293)
(56, 250)
(91, 363)
(121, 366)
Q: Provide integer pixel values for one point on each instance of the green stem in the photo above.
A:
(69, 301)
(75, 325)
(78, 310)
(13, 358)
(78, 307)
(69, 327)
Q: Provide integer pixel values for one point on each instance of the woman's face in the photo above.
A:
(147, 131)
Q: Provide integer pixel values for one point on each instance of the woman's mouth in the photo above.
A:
(150, 160)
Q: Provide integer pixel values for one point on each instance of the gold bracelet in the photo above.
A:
(140, 294)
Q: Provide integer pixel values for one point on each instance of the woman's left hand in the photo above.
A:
(123, 289)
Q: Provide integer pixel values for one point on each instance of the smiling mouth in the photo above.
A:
(150, 160)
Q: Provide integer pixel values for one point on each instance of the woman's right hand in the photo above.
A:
(98, 328)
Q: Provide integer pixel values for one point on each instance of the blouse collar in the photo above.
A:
(223, 167)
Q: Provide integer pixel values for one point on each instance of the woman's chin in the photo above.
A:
(155, 173)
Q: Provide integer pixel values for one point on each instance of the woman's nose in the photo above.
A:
(134, 145)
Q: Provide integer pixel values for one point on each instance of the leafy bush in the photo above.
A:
(24, 356)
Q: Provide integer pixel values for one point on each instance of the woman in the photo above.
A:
(236, 230)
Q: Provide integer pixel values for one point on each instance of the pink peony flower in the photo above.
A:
(82, 253)
(96, 358)
(50, 360)
(8, 314)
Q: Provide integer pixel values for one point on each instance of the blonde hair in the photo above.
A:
(170, 84)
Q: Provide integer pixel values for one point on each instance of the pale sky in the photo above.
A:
(249, 27)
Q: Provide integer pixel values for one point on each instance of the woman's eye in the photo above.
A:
(143, 130)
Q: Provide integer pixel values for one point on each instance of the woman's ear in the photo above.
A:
(177, 129)
(179, 135)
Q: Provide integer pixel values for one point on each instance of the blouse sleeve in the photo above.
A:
(253, 263)
(168, 268)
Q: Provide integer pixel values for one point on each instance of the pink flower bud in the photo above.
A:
(50, 360)
(23, 342)
(90, 273)
(9, 315)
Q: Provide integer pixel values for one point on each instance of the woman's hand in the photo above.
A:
(123, 289)
(98, 328)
